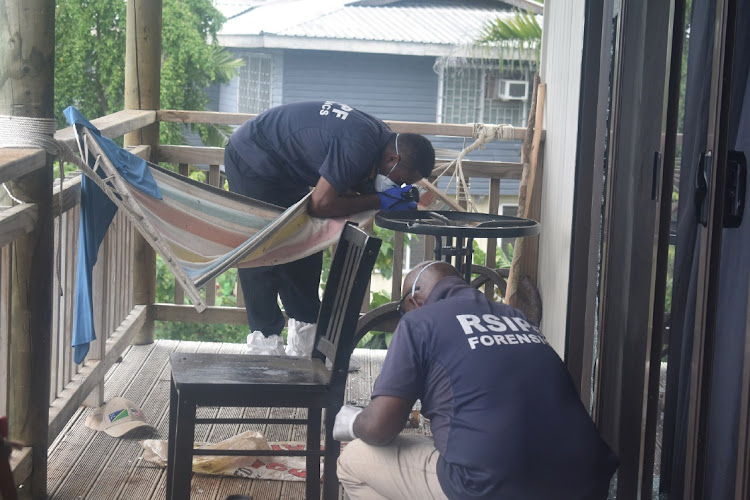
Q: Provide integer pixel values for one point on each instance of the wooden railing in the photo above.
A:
(182, 155)
(117, 318)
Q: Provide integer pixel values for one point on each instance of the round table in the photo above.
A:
(459, 230)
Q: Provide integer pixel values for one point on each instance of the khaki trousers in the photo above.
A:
(405, 469)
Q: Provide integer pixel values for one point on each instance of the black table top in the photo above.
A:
(457, 224)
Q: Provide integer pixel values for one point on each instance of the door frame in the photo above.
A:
(626, 378)
(710, 254)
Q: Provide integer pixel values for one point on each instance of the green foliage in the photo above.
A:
(90, 60)
(384, 262)
(522, 27)
(513, 36)
(68, 168)
(200, 332)
(502, 259)
(225, 296)
(374, 339)
(192, 60)
(89, 56)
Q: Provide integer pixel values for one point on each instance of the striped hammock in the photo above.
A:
(199, 230)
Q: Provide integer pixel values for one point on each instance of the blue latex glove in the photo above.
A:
(397, 198)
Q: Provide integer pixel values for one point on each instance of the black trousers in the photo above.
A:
(296, 283)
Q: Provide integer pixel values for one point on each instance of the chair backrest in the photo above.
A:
(345, 290)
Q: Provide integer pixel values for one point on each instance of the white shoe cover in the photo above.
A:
(257, 343)
(300, 338)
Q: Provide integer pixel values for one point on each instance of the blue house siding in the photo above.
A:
(390, 87)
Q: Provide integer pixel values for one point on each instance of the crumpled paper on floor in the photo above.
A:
(269, 467)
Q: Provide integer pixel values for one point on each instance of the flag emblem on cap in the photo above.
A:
(135, 412)
(117, 415)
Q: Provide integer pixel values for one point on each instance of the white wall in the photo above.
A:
(562, 49)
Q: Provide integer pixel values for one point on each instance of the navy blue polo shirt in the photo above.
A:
(505, 415)
(296, 143)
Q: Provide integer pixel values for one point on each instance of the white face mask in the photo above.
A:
(383, 183)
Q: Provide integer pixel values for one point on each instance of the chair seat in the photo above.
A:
(202, 374)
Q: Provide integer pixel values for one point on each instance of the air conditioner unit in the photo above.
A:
(512, 90)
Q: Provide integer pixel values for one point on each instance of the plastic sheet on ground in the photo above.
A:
(273, 468)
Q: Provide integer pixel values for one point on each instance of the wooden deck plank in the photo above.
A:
(117, 473)
(74, 439)
(92, 449)
(143, 478)
(206, 486)
(91, 465)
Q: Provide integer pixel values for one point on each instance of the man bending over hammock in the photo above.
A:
(355, 163)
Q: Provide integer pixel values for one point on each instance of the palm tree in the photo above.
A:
(514, 37)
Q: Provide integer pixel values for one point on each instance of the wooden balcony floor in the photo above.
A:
(84, 464)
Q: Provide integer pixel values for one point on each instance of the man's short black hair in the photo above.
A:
(418, 152)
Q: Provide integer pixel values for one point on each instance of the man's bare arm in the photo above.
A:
(326, 202)
(382, 420)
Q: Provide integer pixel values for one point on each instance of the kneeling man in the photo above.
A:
(505, 417)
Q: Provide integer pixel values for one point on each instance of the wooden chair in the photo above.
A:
(210, 379)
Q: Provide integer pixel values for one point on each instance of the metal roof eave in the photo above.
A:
(272, 41)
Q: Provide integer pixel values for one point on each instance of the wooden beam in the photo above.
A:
(20, 465)
(28, 91)
(215, 156)
(143, 49)
(93, 372)
(190, 154)
(398, 265)
(67, 197)
(179, 293)
(447, 129)
(187, 314)
(488, 169)
(114, 125)
(15, 163)
(491, 255)
(215, 117)
(141, 151)
(17, 221)
(71, 188)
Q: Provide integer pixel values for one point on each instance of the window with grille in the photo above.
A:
(255, 84)
(469, 94)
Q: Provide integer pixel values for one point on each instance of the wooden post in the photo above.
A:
(142, 77)
(491, 256)
(526, 193)
(98, 348)
(27, 29)
(213, 179)
(398, 265)
(179, 293)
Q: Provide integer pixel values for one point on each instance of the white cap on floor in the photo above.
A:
(117, 417)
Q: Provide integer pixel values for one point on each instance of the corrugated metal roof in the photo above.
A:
(449, 23)
(442, 24)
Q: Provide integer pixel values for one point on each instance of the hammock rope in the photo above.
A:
(482, 135)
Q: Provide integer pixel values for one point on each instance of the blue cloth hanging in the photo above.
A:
(97, 212)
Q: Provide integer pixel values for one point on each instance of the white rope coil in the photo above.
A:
(505, 132)
(25, 132)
